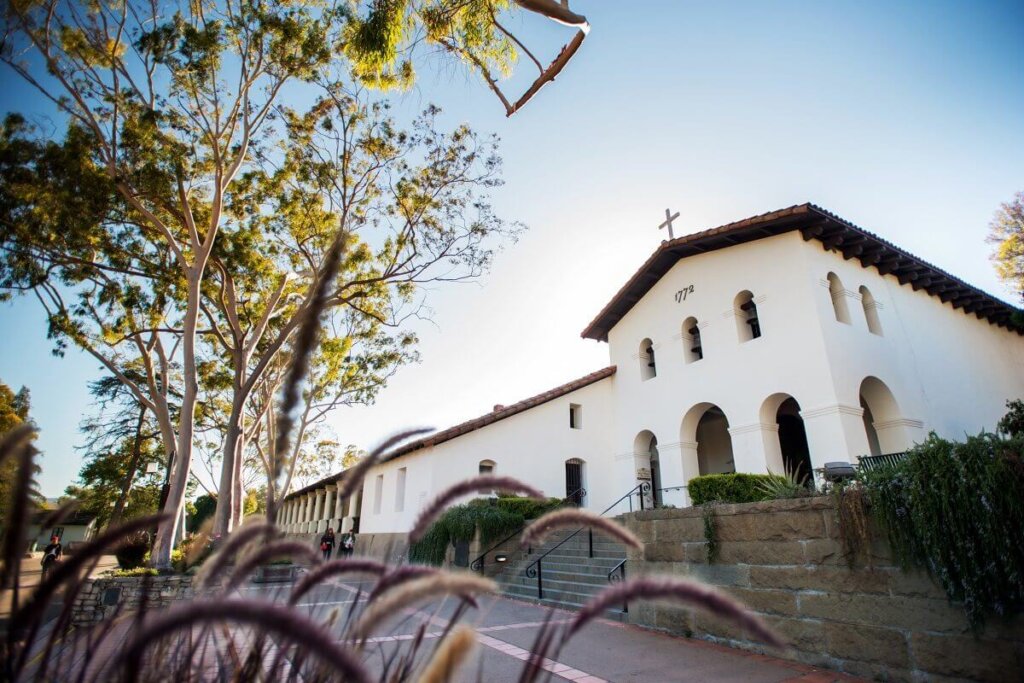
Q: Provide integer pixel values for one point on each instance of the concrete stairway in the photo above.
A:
(569, 576)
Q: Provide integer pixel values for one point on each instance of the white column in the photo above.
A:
(670, 462)
(292, 505)
(690, 463)
(318, 512)
(899, 434)
(329, 494)
(748, 449)
(307, 514)
(835, 434)
(339, 506)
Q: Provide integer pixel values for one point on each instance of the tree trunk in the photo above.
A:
(161, 558)
(129, 477)
(223, 518)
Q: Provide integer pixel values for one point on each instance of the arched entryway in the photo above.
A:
(796, 455)
(884, 423)
(648, 465)
(575, 484)
(705, 429)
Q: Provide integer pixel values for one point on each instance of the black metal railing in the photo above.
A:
(618, 575)
(535, 570)
(874, 462)
(659, 494)
(575, 498)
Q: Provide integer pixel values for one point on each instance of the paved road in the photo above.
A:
(31, 573)
(603, 651)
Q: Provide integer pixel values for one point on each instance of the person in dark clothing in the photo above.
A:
(348, 543)
(51, 553)
(327, 543)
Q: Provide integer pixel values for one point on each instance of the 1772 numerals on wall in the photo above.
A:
(681, 294)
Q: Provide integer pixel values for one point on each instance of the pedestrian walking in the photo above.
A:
(327, 543)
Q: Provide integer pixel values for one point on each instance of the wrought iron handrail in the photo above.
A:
(477, 565)
(618, 575)
(534, 569)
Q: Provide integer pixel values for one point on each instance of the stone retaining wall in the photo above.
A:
(103, 598)
(784, 560)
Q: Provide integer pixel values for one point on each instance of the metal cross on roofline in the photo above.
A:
(669, 217)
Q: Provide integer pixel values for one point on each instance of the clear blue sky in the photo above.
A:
(905, 118)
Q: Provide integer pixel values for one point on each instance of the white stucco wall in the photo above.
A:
(531, 446)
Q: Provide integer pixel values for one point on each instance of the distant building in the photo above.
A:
(782, 341)
(76, 528)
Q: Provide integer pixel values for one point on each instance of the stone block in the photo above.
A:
(782, 603)
(823, 551)
(679, 529)
(916, 584)
(761, 552)
(807, 635)
(969, 657)
(696, 552)
(822, 578)
(869, 644)
(779, 526)
(664, 552)
(673, 619)
(728, 575)
(878, 672)
(894, 612)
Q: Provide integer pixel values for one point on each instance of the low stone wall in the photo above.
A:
(784, 560)
(103, 598)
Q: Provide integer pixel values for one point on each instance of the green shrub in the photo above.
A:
(137, 571)
(529, 508)
(133, 552)
(729, 488)
(460, 523)
(957, 511)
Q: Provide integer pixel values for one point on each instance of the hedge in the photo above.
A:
(728, 488)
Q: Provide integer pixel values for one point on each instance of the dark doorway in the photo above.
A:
(796, 456)
(655, 473)
(574, 481)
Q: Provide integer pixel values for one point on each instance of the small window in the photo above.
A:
(748, 325)
(838, 294)
(400, 490)
(693, 350)
(486, 467)
(378, 494)
(870, 311)
(575, 416)
(648, 366)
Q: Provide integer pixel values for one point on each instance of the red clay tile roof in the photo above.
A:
(835, 234)
(504, 412)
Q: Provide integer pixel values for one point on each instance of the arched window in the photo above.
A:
(748, 325)
(838, 292)
(648, 367)
(870, 311)
(487, 467)
(692, 349)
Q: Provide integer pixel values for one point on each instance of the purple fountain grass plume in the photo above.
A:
(450, 655)
(266, 553)
(16, 443)
(416, 591)
(230, 549)
(692, 593)
(398, 576)
(575, 517)
(484, 483)
(28, 618)
(305, 343)
(334, 568)
(284, 623)
(354, 475)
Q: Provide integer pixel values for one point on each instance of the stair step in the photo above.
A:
(554, 584)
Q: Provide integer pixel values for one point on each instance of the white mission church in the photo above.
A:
(789, 339)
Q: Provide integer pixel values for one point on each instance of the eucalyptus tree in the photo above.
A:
(114, 221)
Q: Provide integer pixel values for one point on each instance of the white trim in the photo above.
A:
(838, 408)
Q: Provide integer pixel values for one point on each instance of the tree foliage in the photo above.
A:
(14, 411)
(1006, 232)
(174, 230)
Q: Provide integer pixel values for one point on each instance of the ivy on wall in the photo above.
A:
(957, 510)
(460, 523)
